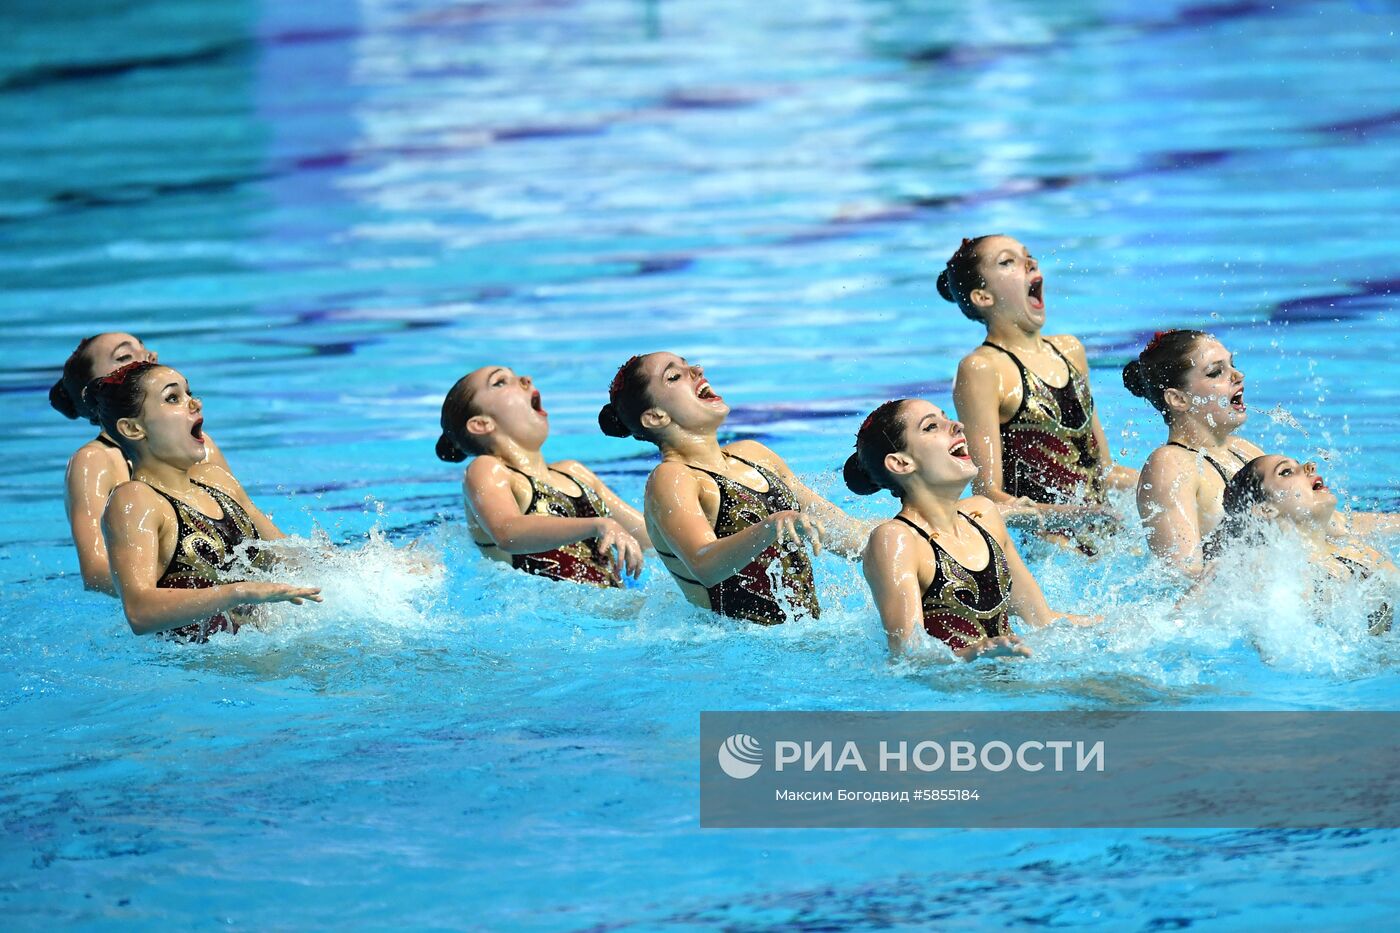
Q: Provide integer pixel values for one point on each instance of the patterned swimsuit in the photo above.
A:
(205, 551)
(1048, 449)
(750, 594)
(577, 562)
(962, 607)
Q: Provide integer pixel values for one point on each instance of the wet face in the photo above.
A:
(1014, 287)
(1295, 490)
(508, 405)
(680, 394)
(935, 448)
(1213, 388)
(108, 352)
(171, 423)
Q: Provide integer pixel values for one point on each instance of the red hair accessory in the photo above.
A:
(615, 386)
(1156, 339)
(122, 373)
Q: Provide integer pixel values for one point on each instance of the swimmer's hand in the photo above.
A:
(1003, 646)
(1021, 512)
(416, 563)
(613, 543)
(254, 593)
(796, 528)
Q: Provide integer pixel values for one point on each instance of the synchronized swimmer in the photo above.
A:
(159, 520)
(173, 539)
(730, 523)
(1032, 428)
(555, 520)
(99, 466)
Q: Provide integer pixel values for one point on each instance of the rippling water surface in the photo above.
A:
(325, 213)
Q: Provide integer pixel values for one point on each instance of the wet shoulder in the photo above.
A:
(94, 455)
(754, 452)
(486, 469)
(578, 472)
(1169, 463)
(984, 512)
(136, 498)
(1248, 448)
(216, 477)
(890, 540)
(983, 357)
(1072, 347)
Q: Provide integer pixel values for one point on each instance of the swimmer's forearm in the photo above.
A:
(722, 558)
(157, 609)
(530, 534)
(1121, 477)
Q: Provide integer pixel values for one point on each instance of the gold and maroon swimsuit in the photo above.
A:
(963, 607)
(776, 582)
(1048, 449)
(205, 551)
(577, 562)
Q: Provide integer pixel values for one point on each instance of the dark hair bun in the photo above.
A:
(448, 450)
(857, 480)
(1134, 380)
(610, 423)
(944, 288)
(61, 401)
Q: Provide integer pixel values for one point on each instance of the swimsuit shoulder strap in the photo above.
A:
(1014, 358)
(1056, 350)
(106, 441)
(1208, 458)
(992, 546)
(534, 487)
(923, 534)
(1025, 378)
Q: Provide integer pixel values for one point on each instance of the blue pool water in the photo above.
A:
(325, 213)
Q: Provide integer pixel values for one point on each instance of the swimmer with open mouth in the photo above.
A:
(944, 565)
(732, 524)
(175, 530)
(1032, 429)
(555, 520)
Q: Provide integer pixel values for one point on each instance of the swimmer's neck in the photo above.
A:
(1314, 534)
(1196, 432)
(162, 475)
(938, 508)
(700, 450)
(527, 460)
(1012, 337)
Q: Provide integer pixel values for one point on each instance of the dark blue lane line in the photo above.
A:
(33, 78)
(915, 207)
(963, 55)
(1360, 126)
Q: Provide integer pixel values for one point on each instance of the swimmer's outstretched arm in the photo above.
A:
(627, 516)
(674, 511)
(1166, 501)
(132, 525)
(487, 490)
(842, 534)
(1371, 523)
